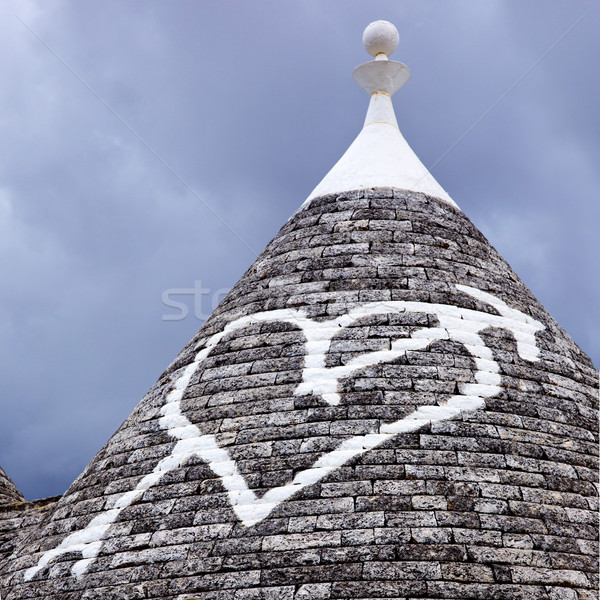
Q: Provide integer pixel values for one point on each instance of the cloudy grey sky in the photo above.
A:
(125, 127)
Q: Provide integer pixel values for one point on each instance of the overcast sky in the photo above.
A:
(149, 145)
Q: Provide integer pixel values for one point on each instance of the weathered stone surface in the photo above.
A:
(497, 503)
(18, 519)
(8, 490)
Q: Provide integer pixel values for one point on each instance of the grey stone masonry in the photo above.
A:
(278, 457)
(19, 519)
(8, 490)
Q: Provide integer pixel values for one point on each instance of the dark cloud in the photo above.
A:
(250, 104)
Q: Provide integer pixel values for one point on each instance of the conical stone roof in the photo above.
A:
(380, 408)
(8, 490)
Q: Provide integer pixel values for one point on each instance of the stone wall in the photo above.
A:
(19, 519)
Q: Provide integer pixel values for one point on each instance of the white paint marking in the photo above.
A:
(319, 380)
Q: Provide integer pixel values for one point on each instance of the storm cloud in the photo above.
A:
(156, 146)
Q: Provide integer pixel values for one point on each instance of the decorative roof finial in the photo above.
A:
(380, 156)
(381, 39)
(381, 75)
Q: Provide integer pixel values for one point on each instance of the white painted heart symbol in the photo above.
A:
(459, 324)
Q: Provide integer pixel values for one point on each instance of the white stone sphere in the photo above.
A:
(380, 37)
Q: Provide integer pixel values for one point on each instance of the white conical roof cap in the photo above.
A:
(380, 156)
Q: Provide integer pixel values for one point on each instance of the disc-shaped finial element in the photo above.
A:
(380, 37)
